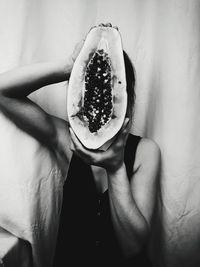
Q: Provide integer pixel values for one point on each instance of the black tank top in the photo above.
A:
(86, 236)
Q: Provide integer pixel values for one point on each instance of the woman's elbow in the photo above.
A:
(137, 242)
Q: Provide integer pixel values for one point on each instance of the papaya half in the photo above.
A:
(97, 98)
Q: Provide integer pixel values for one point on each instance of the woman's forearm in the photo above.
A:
(130, 225)
(22, 81)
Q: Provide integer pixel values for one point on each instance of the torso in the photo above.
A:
(85, 196)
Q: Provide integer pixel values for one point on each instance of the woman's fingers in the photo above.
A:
(72, 145)
(122, 135)
(77, 49)
(97, 157)
(108, 24)
(101, 25)
(75, 144)
(116, 28)
(124, 129)
(125, 124)
(85, 154)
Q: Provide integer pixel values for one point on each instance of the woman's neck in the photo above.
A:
(100, 178)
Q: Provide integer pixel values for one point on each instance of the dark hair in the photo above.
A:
(130, 84)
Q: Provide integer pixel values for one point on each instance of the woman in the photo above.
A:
(109, 196)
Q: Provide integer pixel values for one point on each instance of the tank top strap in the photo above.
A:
(129, 159)
(130, 152)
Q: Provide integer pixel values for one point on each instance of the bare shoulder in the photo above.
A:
(147, 155)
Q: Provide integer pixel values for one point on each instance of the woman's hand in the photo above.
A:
(111, 159)
(77, 50)
(66, 65)
(79, 45)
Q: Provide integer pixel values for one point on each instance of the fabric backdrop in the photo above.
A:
(162, 37)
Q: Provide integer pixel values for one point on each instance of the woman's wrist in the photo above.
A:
(51, 72)
(118, 180)
(116, 171)
(64, 68)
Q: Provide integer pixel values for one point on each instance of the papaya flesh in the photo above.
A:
(97, 98)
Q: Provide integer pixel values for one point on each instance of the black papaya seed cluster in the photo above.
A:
(98, 103)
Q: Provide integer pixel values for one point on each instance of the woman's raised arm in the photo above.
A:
(23, 81)
(17, 84)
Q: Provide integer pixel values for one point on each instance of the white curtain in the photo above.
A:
(162, 37)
